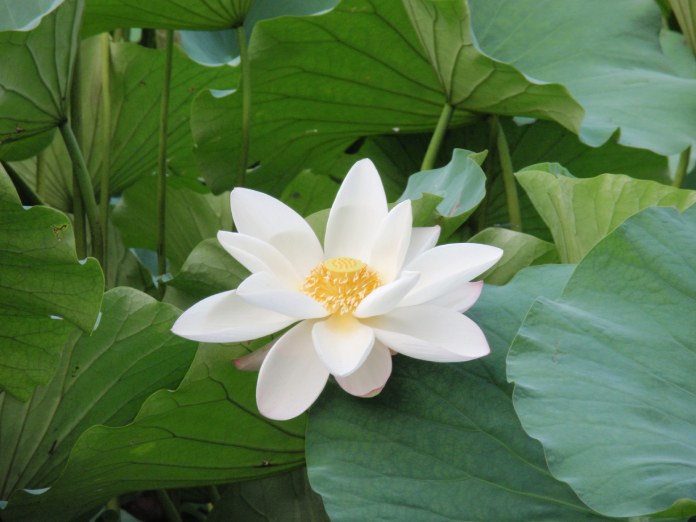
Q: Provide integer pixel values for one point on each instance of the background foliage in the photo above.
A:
(560, 131)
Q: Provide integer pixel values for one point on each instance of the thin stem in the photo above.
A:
(246, 105)
(40, 173)
(682, 167)
(169, 508)
(437, 137)
(214, 494)
(162, 162)
(513, 202)
(84, 182)
(79, 219)
(106, 139)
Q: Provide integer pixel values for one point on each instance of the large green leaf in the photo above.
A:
(444, 31)
(442, 441)
(44, 290)
(207, 431)
(26, 15)
(136, 86)
(279, 498)
(367, 74)
(461, 184)
(192, 214)
(103, 378)
(34, 80)
(580, 212)
(604, 374)
(104, 15)
(609, 57)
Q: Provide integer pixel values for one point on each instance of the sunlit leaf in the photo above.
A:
(444, 435)
(631, 88)
(44, 291)
(25, 15)
(103, 378)
(604, 374)
(580, 212)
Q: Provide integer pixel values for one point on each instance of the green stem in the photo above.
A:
(682, 167)
(162, 162)
(84, 182)
(513, 202)
(437, 137)
(246, 105)
(169, 508)
(40, 173)
(79, 219)
(214, 494)
(106, 140)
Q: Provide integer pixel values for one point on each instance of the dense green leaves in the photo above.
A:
(604, 374)
(34, 80)
(446, 436)
(580, 212)
(103, 378)
(136, 83)
(380, 83)
(44, 290)
(205, 432)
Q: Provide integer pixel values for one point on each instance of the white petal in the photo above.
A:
(392, 242)
(292, 376)
(343, 343)
(264, 290)
(227, 318)
(444, 267)
(385, 298)
(461, 298)
(356, 214)
(422, 239)
(430, 333)
(258, 256)
(371, 376)
(259, 215)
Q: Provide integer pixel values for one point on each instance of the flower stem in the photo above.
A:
(682, 167)
(513, 202)
(169, 508)
(437, 137)
(162, 162)
(246, 105)
(84, 182)
(106, 140)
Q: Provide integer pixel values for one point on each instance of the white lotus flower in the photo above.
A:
(377, 285)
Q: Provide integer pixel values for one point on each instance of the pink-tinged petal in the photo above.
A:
(422, 239)
(292, 376)
(356, 214)
(227, 318)
(258, 256)
(342, 343)
(252, 362)
(264, 290)
(447, 266)
(385, 298)
(265, 218)
(371, 376)
(461, 298)
(392, 242)
(430, 333)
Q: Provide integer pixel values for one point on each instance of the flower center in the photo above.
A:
(340, 284)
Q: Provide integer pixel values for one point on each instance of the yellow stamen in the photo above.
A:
(340, 284)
